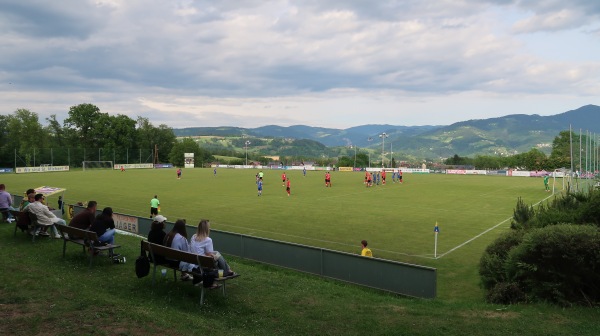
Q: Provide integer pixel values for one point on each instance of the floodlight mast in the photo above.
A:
(382, 136)
(246, 146)
(369, 140)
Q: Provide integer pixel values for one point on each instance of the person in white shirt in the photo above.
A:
(202, 244)
(44, 215)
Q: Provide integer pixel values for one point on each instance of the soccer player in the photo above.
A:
(546, 186)
(366, 252)
(259, 184)
(283, 179)
(327, 179)
(394, 176)
(369, 179)
(154, 204)
(215, 172)
(304, 171)
(378, 176)
(178, 173)
(260, 175)
(287, 187)
(399, 175)
(383, 176)
(366, 176)
(122, 169)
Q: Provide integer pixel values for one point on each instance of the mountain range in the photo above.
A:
(505, 135)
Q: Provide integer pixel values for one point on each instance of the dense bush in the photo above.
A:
(506, 293)
(553, 253)
(491, 265)
(559, 263)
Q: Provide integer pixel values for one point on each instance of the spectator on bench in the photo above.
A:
(202, 244)
(104, 226)
(157, 234)
(29, 198)
(177, 239)
(44, 215)
(6, 204)
(85, 218)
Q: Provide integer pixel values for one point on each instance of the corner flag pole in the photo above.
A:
(436, 230)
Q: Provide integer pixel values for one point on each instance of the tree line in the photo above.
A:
(88, 134)
(534, 159)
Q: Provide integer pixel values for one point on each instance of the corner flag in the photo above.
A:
(436, 230)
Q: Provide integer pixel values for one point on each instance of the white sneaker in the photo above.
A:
(57, 236)
(10, 220)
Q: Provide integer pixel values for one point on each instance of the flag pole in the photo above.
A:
(436, 230)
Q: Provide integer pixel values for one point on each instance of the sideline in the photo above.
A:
(486, 231)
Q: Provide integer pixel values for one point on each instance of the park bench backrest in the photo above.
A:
(75, 233)
(173, 254)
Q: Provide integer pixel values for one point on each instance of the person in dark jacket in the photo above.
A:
(157, 234)
(104, 226)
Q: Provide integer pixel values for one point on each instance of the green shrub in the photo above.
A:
(491, 264)
(521, 215)
(559, 264)
(590, 211)
(506, 293)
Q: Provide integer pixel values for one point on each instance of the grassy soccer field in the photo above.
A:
(396, 219)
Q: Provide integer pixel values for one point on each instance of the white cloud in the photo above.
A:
(218, 63)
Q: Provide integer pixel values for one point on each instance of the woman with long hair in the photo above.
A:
(202, 244)
(177, 239)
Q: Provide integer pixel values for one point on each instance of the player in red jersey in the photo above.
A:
(283, 178)
(327, 179)
(288, 187)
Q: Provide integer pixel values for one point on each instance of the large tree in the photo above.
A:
(84, 126)
(162, 137)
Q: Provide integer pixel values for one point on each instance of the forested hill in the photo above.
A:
(504, 135)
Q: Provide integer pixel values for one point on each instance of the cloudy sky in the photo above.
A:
(322, 63)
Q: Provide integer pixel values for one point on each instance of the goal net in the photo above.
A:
(89, 165)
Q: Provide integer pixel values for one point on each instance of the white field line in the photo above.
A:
(484, 232)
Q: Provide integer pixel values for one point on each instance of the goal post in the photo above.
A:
(89, 165)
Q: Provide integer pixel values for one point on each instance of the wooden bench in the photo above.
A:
(173, 257)
(85, 238)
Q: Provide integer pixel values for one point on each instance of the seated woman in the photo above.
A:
(202, 244)
(157, 234)
(104, 226)
(177, 239)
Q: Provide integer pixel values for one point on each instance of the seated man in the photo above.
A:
(6, 204)
(85, 218)
(44, 215)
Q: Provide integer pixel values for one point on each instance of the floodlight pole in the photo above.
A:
(369, 140)
(247, 143)
(382, 136)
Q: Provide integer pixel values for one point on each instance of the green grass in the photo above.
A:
(42, 293)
